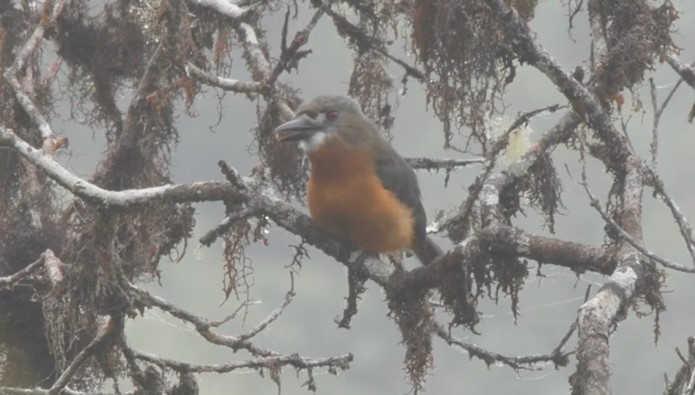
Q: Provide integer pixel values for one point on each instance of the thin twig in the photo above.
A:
(227, 84)
(342, 362)
(290, 56)
(441, 164)
(654, 146)
(355, 289)
(244, 305)
(345, 26)
(626, 236)
(489, 357)
(201, 325)
(231, 220)
(289, 296)
(64, 391)
(686, 230)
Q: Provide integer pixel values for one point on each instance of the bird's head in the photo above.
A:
(322, 119)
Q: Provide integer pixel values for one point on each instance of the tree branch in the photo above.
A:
(342, 362)
(194, 192)
(441, 164)
(582, 100)
(686, 72)
(225, 7)
(105, 329)
(610, 303)
(457, 225)
(12, 279)
(227, 84)
(631, 240)
(686, 230)
(557, 356)
(265, 358)
(50, 142)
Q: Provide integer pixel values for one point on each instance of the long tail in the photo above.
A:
(426, 250)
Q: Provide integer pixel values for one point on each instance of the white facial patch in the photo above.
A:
(316, 140)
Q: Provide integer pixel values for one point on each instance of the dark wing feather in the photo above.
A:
(398, 177)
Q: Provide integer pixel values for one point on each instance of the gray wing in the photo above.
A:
(398, 177)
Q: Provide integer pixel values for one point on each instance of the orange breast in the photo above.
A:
(346, 197)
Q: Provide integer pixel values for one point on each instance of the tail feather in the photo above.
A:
(426, 250)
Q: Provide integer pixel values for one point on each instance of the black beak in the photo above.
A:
(297, 129)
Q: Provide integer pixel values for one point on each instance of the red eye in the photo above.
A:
(332, 115)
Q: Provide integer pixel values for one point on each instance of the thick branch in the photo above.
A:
(686, 72)
(225, 7)
(498, 238)
(194, 192)
(610, 303)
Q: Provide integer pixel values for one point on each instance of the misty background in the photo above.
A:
(548, 302)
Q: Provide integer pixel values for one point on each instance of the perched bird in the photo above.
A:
(359, 187)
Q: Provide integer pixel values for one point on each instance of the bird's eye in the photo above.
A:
(331, 116)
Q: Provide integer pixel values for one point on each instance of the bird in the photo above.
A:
(359, 187)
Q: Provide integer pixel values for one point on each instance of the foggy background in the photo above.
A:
(548, 304)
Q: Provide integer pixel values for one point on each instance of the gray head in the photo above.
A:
(323, 117)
